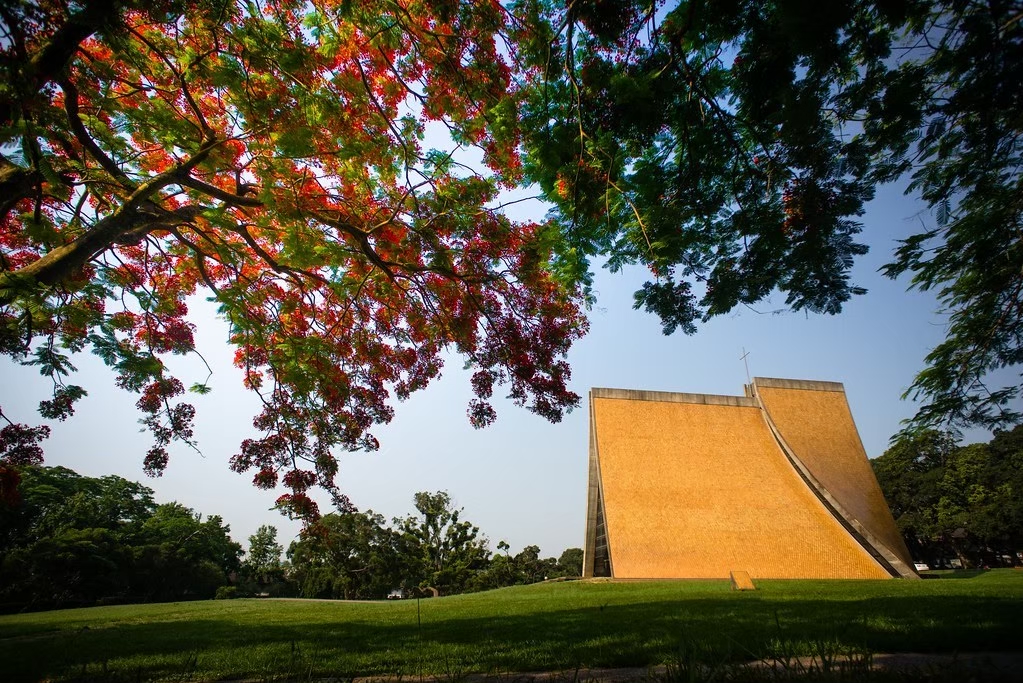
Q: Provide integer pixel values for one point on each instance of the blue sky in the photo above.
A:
(522, 480)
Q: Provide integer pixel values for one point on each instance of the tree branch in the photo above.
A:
(217, 193)
(16, 183)
(49, 61)
(78, 128)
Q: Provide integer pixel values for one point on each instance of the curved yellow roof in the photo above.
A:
(697, 486)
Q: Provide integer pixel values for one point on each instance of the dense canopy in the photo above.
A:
(955, 501)
(730, 145)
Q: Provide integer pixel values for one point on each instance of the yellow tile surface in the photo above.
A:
(818, 426)
(696, 491)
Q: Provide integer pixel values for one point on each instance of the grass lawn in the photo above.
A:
(557, 626)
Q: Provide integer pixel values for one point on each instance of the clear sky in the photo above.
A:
(522, 480)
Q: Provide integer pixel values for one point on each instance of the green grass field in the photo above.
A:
(556, 626)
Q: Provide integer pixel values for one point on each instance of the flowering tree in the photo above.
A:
(272, 155)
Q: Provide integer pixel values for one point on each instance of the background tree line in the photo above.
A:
(75, 540)
(358, 555)
(71, 540)
(957, 502)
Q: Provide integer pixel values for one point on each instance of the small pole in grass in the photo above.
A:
(419, 626)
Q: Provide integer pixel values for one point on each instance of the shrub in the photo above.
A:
(226, 593)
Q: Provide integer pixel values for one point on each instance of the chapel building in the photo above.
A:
(775, 483)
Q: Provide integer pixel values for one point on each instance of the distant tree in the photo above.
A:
(349, 555)
(263, 561)
(979, 505)
(55, 499)
(440, 549)
(499, 572)
(959, 499)
(71, 567)
(571, 562)
(66, 538)
(910, 473)
(180, 556)
(1007, 454)
(533, 569)
(72, 539)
